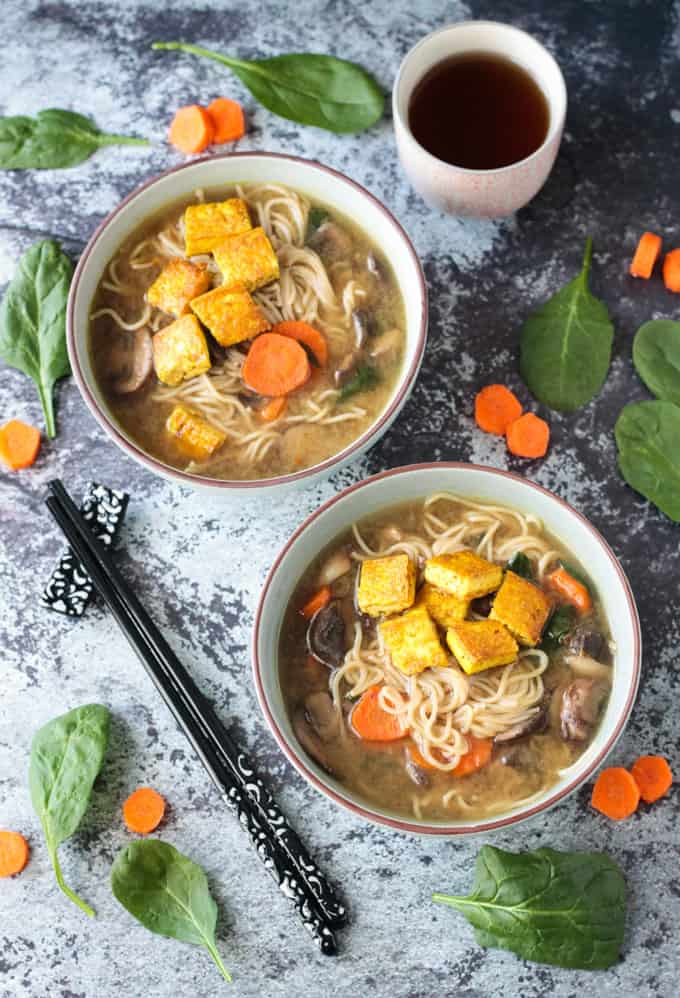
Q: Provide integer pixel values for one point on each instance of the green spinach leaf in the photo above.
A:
(565, 346)
(648, 441)
(167, 893)
(66, 756)
(520, 564)
(54, 139)
(566, 909)
(656, 355)
(365, 377)
(311, 89)
(560, 623)
(33, 321)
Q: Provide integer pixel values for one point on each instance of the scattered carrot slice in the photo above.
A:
(320, 599)
(227, 118)
(14, 853)
(572, 590)
(306, 334)
(646, 255)
(273, 409)
(528, 436)
(615, 793)
(371, 722)
(478, 754)
(143, 810)
(671, 270)
(495, 408)
(19, 444)
(275, 365)
(653, 777)
(192, 129)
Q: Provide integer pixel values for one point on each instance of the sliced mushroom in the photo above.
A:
(310, 740)
(584, 665)
(326, 637)
(322, 715)
(331, 242)
(387, 346)
(537, 722)
(363, 326)
(580, 708)
(585, 642)
(334, 567)
(131, 360)
(482, 605)
(346, 367)
(418, 775)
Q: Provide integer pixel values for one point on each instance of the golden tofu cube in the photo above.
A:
(444, 608)
(178, 282)
(481, 644)
(208, 225)
(196, 436)
(180, 351)
(386, 585)
(248, 259)
(463, 574)
(413, 642)
(230, 314)
(522, 607)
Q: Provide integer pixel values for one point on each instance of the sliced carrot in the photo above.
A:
(307, 335)
(227, 118)
(14, 853)
(371, 722)
(273, 409)
(495, 408)
(646, 255)
(671, 270)
(320, 599)
(615, 793)
(143, 810)
(192, 129)
(653, 777)
(19, 444)
(573, 591)
(478, 754)
(528, 436)
(275, 365)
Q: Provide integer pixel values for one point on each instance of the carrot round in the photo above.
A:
(306, 334)
(273, 409)
(320, 599)
(19, 444)
(495, 408)
(371, 722)
(14, 853)
(275, 365)
(478, 754)
(671, 270)
(573, 591)
(192, 129)
(615, 793)
(653, 777)
(143, 810)
(646, 255)
(528, 436)
(227, 119)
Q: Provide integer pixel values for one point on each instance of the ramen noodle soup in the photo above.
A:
(247, 333)
(446, 659)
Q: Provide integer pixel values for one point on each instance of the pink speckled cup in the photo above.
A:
(478, 193)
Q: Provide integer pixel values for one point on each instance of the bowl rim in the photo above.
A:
(406, 825)
(406, 377)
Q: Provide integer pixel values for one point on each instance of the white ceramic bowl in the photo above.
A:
(471, 481)
(319, 183)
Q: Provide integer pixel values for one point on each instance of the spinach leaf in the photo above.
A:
(33, 321)
(365, 377)
(66, 756)
(560, 623)
(167, 893)
(647, 435)
(315, 219)
(521, 565)
(566, 909)
(656, 355)
(54, 139)
(311, 89)
(565, 346)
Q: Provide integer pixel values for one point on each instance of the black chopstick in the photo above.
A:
(278, 846)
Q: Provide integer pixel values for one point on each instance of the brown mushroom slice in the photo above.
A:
(322, 715)
(362, 325)
(310, 740)
(337, 565)
(346, 368)
(532, 725)
(131, 360)
(585, 665)
(580, 708)
(386, 347)
(326, 636)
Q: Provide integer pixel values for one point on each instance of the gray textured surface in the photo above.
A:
(199, 565)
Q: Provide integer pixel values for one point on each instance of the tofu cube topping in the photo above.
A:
(197, 437)
(178, 282)
(444, 608)
(386, 585)
(522, 607)
(247, 259)
(208, 225)
(481, 644)
(180, 351)
(230, 314)
(463, 574)
(412, 642)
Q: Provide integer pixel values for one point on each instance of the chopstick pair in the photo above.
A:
(283, 854)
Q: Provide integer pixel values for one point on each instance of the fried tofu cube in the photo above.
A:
(180, 351)
(178, 282)
(248, 259)
(413, 642)
(230, 314)
(444, 608)
(522, 607)
(386, 585)
(481, 644)
(208, 225)
(198, 438)
(463, 574)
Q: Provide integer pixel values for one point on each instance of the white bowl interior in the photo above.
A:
(487, 486)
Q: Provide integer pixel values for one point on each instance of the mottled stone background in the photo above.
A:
(199, 565)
